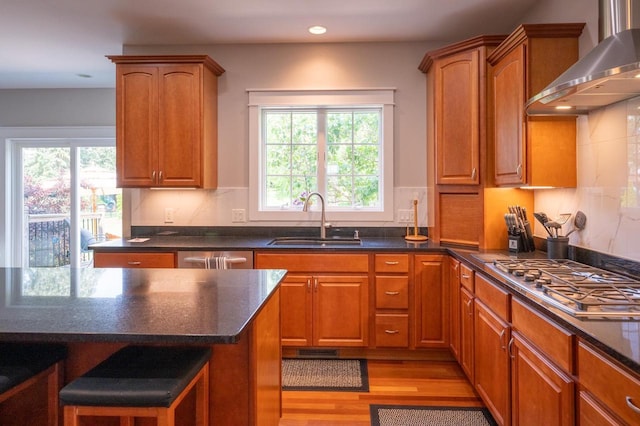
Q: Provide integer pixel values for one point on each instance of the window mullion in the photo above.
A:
(322, 151)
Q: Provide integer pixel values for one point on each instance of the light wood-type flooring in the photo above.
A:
(409, 382)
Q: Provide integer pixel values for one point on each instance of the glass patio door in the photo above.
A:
(66, 199)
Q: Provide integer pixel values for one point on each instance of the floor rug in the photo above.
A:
(404, 415)
(325, 375)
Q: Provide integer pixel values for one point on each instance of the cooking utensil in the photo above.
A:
(579, 222)
(553, 227)
(564, 217)
(543, 219)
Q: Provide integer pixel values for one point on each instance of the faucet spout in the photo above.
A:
(323, 224)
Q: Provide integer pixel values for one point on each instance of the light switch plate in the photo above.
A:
(169, 214)
(238, 215)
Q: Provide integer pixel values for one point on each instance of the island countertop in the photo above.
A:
(189, 306)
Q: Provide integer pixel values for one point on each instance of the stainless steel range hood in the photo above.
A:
(608, 74)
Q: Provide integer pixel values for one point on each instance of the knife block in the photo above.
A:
(515, 243)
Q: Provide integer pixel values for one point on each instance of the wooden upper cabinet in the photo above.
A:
(457, 119)
(532, 151)
(166, 121)
(458, 107)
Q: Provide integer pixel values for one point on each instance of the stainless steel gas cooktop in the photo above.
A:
(580, 290)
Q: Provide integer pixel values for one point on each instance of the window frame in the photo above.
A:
(260, 99)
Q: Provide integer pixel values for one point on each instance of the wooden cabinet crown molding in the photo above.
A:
(169, 59)
(527, 31)
(472, 43)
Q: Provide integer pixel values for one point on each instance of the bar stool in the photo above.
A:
(22, 365)
(141, 381)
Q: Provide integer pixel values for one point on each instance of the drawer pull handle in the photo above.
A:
(465, 276)
(392, 293)
(502, 334)
(131, 262)
(391, 262)
(510, 349)
(474, 173)
(631, 405)
(309, 284)
(392, 331)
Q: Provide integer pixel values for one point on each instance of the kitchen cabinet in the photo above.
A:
(430, 276)
(609, 393)
(492, 335)
(392, 290)
(542, 367)
(532, 151)
(134, 260)
(324, 298)
(467, 333)
(166, 121)
(454, 307)
(459, 98)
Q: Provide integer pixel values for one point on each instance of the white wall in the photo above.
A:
(296, 66)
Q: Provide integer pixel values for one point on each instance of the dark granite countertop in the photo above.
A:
(618, 338)
(131, 305)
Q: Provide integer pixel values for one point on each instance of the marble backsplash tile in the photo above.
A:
(608, 192)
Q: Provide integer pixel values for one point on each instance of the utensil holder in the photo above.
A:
(558, 248)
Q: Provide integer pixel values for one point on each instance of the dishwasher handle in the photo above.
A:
(195, 259)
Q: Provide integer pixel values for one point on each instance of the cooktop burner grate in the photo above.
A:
(579, 288)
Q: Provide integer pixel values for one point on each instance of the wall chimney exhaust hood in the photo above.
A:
(608, 74)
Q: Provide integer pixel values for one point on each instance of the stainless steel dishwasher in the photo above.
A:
(200, 259)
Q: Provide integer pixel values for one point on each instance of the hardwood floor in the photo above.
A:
(411, 382)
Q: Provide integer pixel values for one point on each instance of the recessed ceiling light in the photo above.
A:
(317, 29)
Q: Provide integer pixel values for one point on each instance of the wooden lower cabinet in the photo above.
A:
(431, 301)
(492, 378)
(454, 307)
(593, 413)
(134, 260)
(328, 309)
(541, 393)
(607, 390)
(467, 339)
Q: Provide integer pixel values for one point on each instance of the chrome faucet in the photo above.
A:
(323, 224)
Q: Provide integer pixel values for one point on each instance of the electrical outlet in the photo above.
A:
(238, 215)
(405, 216)
(169, 215)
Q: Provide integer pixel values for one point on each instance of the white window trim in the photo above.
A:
(320, 98)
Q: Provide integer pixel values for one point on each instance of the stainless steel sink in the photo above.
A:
(319, 242)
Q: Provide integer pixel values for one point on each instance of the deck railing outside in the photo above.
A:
(49, 237)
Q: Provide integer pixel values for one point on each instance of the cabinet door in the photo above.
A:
(509, 100)
(454, 305)
(180, 125)
(467, 334)
(431, 301)
(340, 310)
(295, 310)
(542, 394)
(457, 119)
(136, 120)
(492, 362)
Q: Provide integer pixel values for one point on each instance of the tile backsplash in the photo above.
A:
(608, 192)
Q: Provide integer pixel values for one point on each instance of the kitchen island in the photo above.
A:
(98, 311)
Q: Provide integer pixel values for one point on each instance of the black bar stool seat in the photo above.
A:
(139, 377)
(23, 364)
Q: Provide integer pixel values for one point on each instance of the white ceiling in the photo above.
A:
(47, 43)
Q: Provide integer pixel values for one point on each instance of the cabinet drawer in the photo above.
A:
(392, 292)
(134, 260)
(554, 341)
(493, 297)
(392, 330)
(390, 263)
(467, 277)
(609, 383)
(349, 263)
